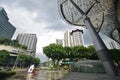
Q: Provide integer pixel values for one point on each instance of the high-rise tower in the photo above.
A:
(6, 28)
(29, 40)
(73, 38)
(67, 39)
(59, 41)
(77, 37)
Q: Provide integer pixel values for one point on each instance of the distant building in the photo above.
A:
(6, 28)
(29, 40)
(77, 37)
(59, 41)
(73, 38)
(67, 39)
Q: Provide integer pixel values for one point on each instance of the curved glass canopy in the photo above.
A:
(102, 13)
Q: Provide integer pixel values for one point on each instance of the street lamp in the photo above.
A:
(100, 47)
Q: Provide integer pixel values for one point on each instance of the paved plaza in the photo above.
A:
(88, 76)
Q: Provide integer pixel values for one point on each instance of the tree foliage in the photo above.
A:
(13, 43)
(115, 55)
(3, 56)
(54, 51)
(5, 41)
(92, 53)
(57, 52)
(27, 60)
(77, 52)
(80, 52)
(67, 52)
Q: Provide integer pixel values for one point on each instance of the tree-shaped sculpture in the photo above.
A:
(100, 47)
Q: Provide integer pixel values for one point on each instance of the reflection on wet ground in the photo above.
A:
(61, 75)
(42, 75)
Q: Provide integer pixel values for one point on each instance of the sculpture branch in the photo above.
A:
(91, 7)
(101, 23)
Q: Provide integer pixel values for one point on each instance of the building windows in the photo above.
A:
(29, 40)
(6, 28)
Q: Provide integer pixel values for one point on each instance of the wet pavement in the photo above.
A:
(62, 75)
(42, 75)
(88, 76)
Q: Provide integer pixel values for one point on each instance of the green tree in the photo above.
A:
(115, 55)
(5, 41)
(36, 61)
(27, 60)
(4, 55)
(1, 40)
(22, 59)
(15, 43)
(24, 47)
(54, 51)
(79, 52)
(82, 52)
(67, 52)
(92, 53)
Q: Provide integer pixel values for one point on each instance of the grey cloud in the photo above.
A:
(9, 2)
(57, 26)
(47, 10)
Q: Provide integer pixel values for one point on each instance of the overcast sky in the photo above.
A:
(40, 17)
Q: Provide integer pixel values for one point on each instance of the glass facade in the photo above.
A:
(104, 15)
(6, 28)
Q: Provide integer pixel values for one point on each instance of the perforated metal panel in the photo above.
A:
(103, 15)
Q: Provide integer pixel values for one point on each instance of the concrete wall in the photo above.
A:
(13, 50)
